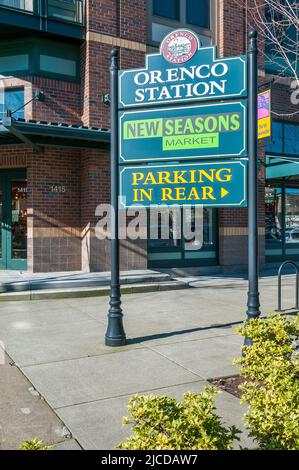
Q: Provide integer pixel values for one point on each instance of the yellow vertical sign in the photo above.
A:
(264, 114)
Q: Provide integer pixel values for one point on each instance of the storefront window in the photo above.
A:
(282, 222)
(292, 220)
(181, 248)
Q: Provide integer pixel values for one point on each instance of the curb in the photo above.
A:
(91, 292)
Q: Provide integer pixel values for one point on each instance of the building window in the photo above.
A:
(198, 13)
(17, 63)
(284, 140)
(167, 15)
(25, 5)
(66, 10)
(44, 57)
(167, 9)
(12, 99)
(51, 64)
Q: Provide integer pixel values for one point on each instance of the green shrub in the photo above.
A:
(271, 389)
(162, 423)
(34, 444)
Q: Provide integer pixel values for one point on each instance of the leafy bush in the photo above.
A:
(162, 423)
(34, 444)
(271, 389)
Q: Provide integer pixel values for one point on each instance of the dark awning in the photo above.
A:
(42, 133)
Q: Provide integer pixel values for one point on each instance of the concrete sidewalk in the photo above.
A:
(176, 341)
(25, 415)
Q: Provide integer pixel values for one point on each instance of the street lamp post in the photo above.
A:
(253, 303)
(115, 334)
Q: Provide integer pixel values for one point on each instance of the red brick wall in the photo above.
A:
(133, 20)
(62, 102)
(122, 18)
(56, 221)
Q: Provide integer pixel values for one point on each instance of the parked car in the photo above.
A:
(292, 235)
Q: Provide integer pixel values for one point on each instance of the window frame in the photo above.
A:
(151, 18)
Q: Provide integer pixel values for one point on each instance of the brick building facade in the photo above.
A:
(65, 183)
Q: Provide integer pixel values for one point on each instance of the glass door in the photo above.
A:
(13, 218)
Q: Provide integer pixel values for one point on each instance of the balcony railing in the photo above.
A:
(62, 10)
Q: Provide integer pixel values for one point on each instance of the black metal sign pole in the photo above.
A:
(253, 303)
(115, 334)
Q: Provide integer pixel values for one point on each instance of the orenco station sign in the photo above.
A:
(183, 72)
(175, 82)
(201, 77)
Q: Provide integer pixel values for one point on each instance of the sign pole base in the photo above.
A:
(115, 334)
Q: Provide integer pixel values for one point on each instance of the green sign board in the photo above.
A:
(213, 184)
(200, 131)
(182, 72)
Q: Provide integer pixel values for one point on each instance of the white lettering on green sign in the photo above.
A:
(174, 89)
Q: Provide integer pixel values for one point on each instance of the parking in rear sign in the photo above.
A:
(212, 184)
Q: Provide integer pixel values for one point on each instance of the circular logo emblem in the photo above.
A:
(179, 46)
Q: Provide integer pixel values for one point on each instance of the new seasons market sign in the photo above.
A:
(216, 130)
(183, 72)
(217, 184)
